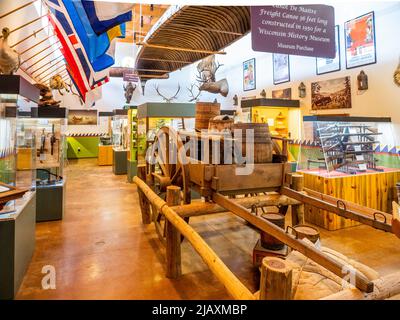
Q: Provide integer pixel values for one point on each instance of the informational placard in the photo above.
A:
(131, 77)
(304, 30)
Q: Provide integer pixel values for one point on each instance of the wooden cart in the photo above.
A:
(171, 173)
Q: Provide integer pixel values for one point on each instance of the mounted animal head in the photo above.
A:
(57, 83)
(207, 69)
(129, 90)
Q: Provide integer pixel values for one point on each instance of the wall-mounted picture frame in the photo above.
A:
(360, 41)
(82, 117)
(282, 94)
(331, 94)
(327, 65)
(281, 68)
(249, 75)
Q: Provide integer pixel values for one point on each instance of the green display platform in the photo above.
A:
(50, 202)
(83, 147)
(17, 239)
(132, 170)
(120, 162)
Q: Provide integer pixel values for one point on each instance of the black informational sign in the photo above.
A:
(304, 30)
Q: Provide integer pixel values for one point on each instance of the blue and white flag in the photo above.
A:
(98, 48)
(105, 15)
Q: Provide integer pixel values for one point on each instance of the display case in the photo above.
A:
(132, 143)
(153, 116)
(282, 115)
(17, 182)
(120, 140)
(351, 158)
(105, 157)
(51, 156)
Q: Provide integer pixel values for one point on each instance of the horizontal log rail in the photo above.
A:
(163, 47)
(216, 265)
(341, 209)
(384, 288)
(309, 251)
(200, 208)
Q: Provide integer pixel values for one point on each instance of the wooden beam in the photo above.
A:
(49, 62)
(28, 37)
(164, 47)
(154, 70)
(202, 208)
(167, 60)
(42, 76)
(41, 59)
(276, 279)
(179, 25)
(26, 24)
(36, 54)
(153, 76)
(36, 44)
(339, 208)
(173, 236)
(232, 284)
(308, 250)
(384, 288)
(52, 73)
(17, 9)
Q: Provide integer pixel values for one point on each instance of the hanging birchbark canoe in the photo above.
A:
(186, 34)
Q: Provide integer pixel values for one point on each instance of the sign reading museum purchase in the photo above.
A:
(304, 30)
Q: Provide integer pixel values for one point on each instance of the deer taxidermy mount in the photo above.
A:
(166, 99)
(194, 97)
(9, 58)
(207, 69)
(129, 90)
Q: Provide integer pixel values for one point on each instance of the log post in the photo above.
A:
(143, 202)
(276, 279)
(297, 184)
(173, 236)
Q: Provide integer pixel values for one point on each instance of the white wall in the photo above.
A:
(382, 98)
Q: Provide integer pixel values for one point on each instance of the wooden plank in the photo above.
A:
(164, 47)
(173, 237)
(308, 250)
(339, 209)
(264, 175)
(232, 284)
(202, 208)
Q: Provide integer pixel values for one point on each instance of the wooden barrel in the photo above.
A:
(306, 231)
(268, 241)
(204, 112)
(262, 147)
(220, 125)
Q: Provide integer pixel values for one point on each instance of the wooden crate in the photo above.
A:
(373, 190)
(105, 156)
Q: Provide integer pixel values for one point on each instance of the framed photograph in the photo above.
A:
(330, 65)
(249, 74)
(360, 41)
(282, 94)
(331, 94)
(82, 117)
(281, 68)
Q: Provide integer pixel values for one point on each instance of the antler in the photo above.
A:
(194, 98)
(164, 97)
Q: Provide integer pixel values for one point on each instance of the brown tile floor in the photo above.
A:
(102, 251)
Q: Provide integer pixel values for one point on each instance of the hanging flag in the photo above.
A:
(98, 48)
(105, 15)
(78, 64)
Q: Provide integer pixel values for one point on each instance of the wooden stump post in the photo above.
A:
(143, 202)
(297, 210)
(173, 236)
(276, 279)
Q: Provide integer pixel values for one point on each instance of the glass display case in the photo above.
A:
(120, 137)
(153, 116)
(337, 146)
(133, 134)
(105, 125)
(282, 115)
(17, 162)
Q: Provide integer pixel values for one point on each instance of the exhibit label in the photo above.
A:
(304, 30)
